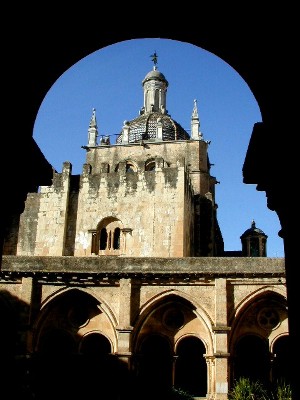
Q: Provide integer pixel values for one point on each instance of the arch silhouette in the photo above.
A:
(250, 47)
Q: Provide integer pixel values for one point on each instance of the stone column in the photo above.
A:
(210, 362)
(124, 328)
(31, 298)
(221, 330)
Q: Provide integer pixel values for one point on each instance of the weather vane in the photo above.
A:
(154, 58)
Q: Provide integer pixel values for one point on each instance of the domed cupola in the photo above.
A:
(154, 123)
(155, 92)
(254, 242)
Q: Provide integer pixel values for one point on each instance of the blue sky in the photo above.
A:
(110, 80)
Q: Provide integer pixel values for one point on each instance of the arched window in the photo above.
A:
(107, 238)
(130, 167)
(150, 166)
(126, 166)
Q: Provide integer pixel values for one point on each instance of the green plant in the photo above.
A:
(281, 391)
(245, 389)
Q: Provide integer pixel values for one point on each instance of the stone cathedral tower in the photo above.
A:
(123, 268)
(149, 195)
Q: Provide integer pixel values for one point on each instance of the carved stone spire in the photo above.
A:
(93, 130)
(195, 123)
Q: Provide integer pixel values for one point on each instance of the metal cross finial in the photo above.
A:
(154, 58)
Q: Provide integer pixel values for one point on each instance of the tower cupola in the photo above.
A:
(155, 92)
(153, 123)
(254, 242)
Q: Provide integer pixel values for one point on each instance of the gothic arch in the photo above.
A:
(71, 311)
(160, 297)
(260, 320)
(266, 291)
(90, 291)
(170, 313)
(165, 322)
(261, 313)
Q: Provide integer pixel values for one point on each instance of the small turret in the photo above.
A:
(155, 92)
(254, 242)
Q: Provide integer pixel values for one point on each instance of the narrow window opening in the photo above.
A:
(103, 239)
(116, 242)
(254, 247)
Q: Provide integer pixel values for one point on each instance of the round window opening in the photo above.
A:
(173, 318)
(268, 318)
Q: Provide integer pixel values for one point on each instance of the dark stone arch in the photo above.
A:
(95, 344)
(66, 365)
(282, 361)
(191, 367)
(67, 312)
(155, 363)
(252, 359)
